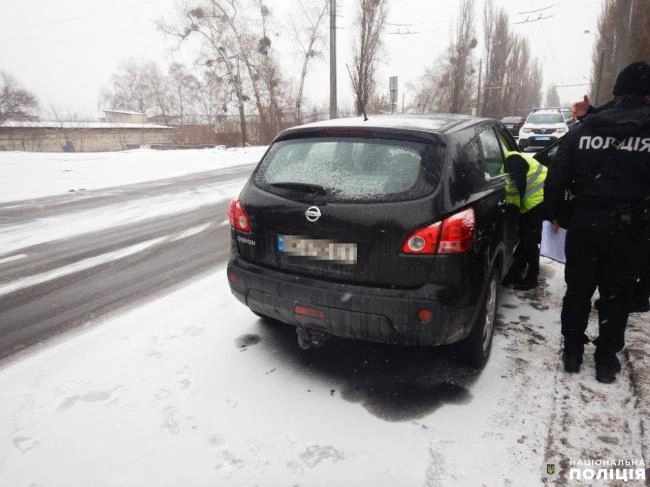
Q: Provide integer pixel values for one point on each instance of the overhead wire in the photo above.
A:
(548, 47)
(75, 18)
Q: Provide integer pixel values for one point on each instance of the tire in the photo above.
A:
(475, 349)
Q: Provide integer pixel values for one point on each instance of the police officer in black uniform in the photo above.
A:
(606, 161)
(640, 302)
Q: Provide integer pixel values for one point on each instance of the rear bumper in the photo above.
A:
(353, 311)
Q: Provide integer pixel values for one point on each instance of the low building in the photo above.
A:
(80, 136)
(124, 116)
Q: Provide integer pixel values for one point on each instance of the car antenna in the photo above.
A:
(354, 85)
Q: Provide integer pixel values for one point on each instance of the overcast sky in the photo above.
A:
(66, 51)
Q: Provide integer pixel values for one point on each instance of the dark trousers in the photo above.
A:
(526, 257)
(611, 260)
(642, 290)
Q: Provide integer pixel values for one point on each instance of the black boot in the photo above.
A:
(571, 361)
(607, 366)
(639, 304)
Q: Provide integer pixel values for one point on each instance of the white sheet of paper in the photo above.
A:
(553, 243)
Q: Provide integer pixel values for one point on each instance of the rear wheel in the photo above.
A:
(475, 349)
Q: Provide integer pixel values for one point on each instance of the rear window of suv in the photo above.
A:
(352, 168)
(545, 118)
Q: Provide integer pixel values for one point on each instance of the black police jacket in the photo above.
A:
(605, 161)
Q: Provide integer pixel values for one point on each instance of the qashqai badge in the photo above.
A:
(312, 213)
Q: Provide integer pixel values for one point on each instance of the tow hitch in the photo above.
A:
(310, 338)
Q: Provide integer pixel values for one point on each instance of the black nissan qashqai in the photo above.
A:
(393, 230)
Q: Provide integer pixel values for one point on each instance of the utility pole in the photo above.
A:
(599, 74)
(333, 107)
(392, 84)
(478, 93)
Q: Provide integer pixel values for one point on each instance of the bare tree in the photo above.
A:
(216, 25)
(622, 37)
(608, 49)
(132, 87)
(370, 20)
(266, 69)
(184, 88)
(449, 85)
(430, 90)
(13, 98)
(460, 61)
(639, 33)
(309, 37)
(236, 44)
(161, 98)
(212, 97)
(500, 52)
(513, 80)
(552, 97)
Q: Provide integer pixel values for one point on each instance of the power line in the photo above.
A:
(539, 17)
(394, 24)
(575, 84)
(399, 32)
(548, 46)
(78, 17)
(537, 10)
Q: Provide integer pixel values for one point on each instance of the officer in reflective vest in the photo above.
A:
(525, 190)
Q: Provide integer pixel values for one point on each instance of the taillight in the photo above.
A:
(237, 216)
(423, 241)
(452, 235)
(457, 232)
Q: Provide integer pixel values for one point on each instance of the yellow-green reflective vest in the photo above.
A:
(535, 178)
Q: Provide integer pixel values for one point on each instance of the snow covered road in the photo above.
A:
(192, 389)
(69, 257)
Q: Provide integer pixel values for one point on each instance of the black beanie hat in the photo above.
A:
(633, 80)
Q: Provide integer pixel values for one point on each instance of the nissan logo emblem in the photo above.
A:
(312, 213)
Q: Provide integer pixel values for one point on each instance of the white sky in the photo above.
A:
(66, 51)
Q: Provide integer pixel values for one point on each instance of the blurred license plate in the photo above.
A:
(318, 249)
(542, 138)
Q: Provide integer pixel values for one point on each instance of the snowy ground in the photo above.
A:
(26, 175)
(193, 389)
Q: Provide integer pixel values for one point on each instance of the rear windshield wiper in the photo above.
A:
(302, 187)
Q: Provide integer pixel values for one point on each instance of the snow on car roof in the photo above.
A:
(432, 122)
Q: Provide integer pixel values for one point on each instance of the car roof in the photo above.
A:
(546, 112)
(436, 123)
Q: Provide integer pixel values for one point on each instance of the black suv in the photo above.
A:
(394, 230)
(513, 124)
